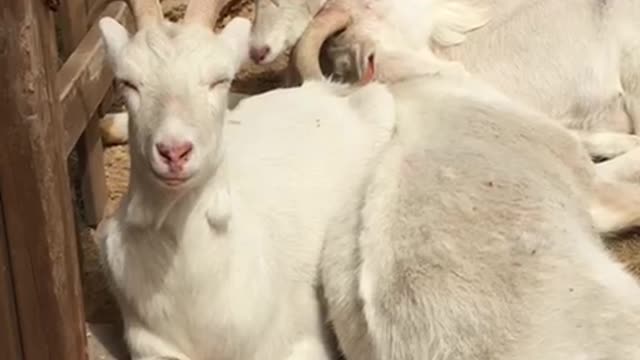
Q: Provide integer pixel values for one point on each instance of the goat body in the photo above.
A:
(231, 271)
(520, 47)
(589, 83)
(583, 70)
(470, 240)
(214, 250)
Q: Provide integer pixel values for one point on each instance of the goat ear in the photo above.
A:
(236, 35)
(114, 35)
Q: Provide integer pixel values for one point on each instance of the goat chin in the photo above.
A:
(471, 240)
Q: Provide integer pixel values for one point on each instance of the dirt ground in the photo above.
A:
(100, 306)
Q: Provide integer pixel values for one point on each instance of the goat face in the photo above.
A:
(176, 80)
(278, 25)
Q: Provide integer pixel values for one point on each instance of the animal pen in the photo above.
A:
(55, 89)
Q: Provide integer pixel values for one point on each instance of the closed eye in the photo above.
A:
(129, 85)
(216, 83)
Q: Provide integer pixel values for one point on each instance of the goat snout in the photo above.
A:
(259, 53)
(175, 155)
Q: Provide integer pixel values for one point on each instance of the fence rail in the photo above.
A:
(46, 112)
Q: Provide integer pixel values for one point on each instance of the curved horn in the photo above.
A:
(145, 12)
(306, 55)
(204, 12)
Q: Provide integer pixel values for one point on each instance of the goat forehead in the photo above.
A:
(178, 59)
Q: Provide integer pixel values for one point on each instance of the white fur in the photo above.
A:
(471, 240)
(525, 48)
(114, 127)
(225, 265)
(406, 24)
(519, 46)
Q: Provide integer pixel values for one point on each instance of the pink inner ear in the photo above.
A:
(369, 72)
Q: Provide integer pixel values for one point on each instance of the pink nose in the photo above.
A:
(258, 54)
(176, 154)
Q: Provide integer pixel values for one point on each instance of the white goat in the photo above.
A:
(470, 240)
(527, 49)
(214, 251)
(396, 26)
(279, 24)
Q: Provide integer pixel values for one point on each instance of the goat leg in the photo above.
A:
(615, 206)
(607, 145)
(625, 167)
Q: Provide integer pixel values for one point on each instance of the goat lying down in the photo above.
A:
(529, 49)
(214, 251)
(380, 25)
(470, 240)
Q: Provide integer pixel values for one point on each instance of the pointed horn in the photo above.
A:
(145, 12)
(306, 54)
(204, 12)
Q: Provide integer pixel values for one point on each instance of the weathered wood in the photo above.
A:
(35, 189)
(94, 186)
(10, 346)
(84, 79)
(72, 18)
(95, 8)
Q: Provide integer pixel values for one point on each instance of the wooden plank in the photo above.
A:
(93, 181)
(84, 79)
(95, 9)
(72, 18)
(10, 346)
(74, 21)
(35, 188)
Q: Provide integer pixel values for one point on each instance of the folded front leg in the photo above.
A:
(615, 206)
(607, 145)
(625, 167)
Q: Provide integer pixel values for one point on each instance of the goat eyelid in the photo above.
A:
(129, 84)
(218, 82)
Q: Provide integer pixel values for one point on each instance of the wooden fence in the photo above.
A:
(46, 111)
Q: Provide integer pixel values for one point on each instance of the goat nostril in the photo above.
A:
(175, 153)
(183, 150)
(258, 54)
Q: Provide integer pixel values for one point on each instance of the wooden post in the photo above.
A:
(35, 189)
(74, 25)
(10, 346)
(72, 17)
